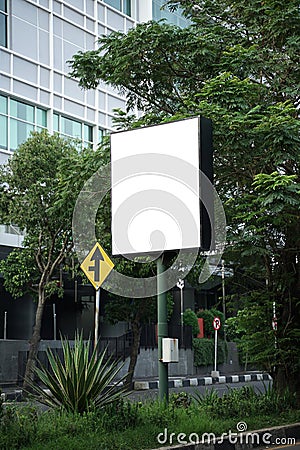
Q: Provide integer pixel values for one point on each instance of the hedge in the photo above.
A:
(204, 352)
(190, 318)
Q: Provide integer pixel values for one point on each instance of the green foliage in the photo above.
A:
(233, 331)
(1, 405)
(245, 402)
(80, 382)
(32, 196)
(18, 426)
(190, 318)
(206, 399)
(180, 400)
(208, 316)
(119, 415)
(204, 352)
(24, 426)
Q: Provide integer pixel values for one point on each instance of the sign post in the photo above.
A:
(180, 285)
(162, 330)
(217, 326)
(97, 266)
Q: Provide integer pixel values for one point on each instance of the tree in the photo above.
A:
(37, 193)
(267, 246)
(237, 64)
(135, 311)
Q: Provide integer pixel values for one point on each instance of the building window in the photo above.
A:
(101, 134)
(17, 120)
(121, 5)
(3, 23)
(175, 18)
(73, 129)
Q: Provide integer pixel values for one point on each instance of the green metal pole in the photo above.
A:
(162, 330)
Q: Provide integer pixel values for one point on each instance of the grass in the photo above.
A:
(135, 426)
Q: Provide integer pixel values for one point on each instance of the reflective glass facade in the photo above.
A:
(3, 23)
(37, 38)
(73, 129)
(17, 120)
(176, 18)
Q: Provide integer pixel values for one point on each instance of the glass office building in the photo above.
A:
(37, 37)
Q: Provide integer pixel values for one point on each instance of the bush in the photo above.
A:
(190, 318)
(126, 426)
(119, 415)
(81, 382)
(18, 426)
(208, 316)
(245, 402)
(180, 400)
(1, 405)
(204, 352)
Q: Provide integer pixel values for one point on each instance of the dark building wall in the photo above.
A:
(20, 315)
(74, 311)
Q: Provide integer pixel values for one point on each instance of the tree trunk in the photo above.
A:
(136, 332)
(34, 344)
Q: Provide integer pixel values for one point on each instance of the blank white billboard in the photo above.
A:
(155, 188)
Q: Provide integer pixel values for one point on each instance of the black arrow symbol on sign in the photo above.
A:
(97, 257)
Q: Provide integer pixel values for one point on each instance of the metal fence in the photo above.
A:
(117, 347)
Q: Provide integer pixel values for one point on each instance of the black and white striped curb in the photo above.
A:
(17, 395)
(203, 381)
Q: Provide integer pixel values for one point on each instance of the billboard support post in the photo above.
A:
(97, 311)
(162, 329)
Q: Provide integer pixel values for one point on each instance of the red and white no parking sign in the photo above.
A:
(217, 323)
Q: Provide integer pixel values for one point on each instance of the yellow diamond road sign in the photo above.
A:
(97, 266)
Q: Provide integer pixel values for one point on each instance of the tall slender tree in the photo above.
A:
(37, 194)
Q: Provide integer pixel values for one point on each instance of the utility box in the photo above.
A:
(170, 350)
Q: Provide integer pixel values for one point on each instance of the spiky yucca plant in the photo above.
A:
(80, 382)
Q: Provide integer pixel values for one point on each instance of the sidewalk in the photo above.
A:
(177, 382)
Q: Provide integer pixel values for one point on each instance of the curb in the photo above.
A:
(266, 438)
(203, 381)
(17, 394)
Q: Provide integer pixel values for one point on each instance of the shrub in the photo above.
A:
(80, 382)
(208, 316)
(204, 352)
(1, 405)
(216, 313)
(190, 318)
(245, 402)
(18, 426)
(180, 400)
(206, 399)
(119, 415)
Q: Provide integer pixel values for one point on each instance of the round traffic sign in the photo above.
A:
(217, 323)
(180, 283)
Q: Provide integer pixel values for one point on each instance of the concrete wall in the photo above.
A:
(9, 357)
(147, 364)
